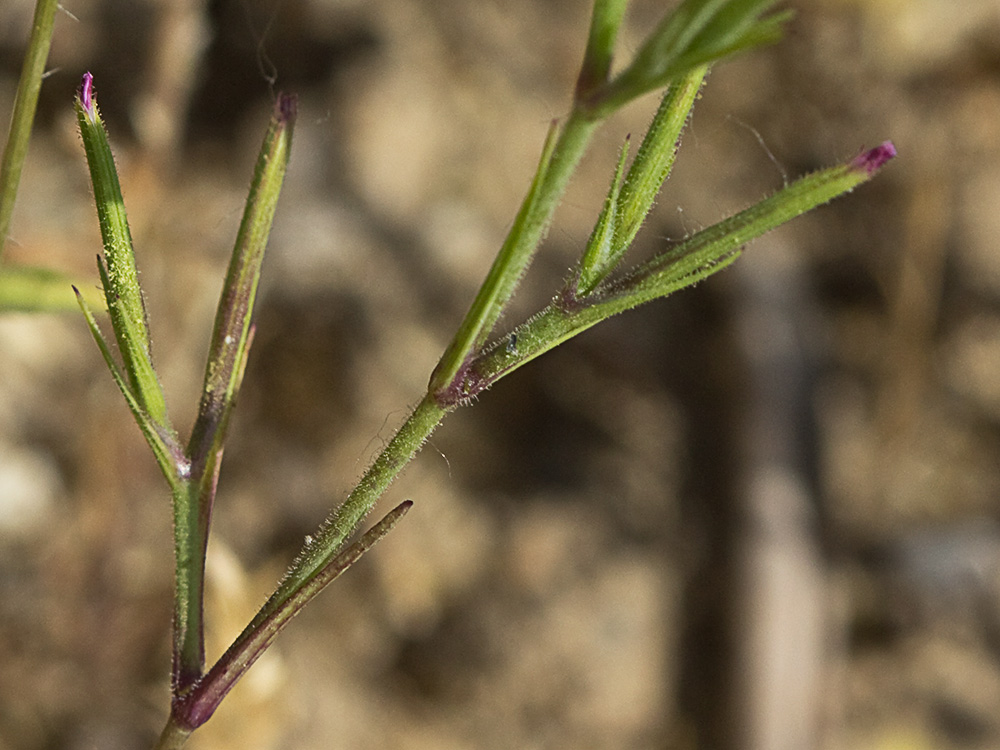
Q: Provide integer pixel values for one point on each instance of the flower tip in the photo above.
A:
(286, 108)
(87, 90)
(873, 160)
(86, 94)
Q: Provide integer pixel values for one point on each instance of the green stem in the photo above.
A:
(320, 561)
(24, 111)
(327, 542)
(195, 708)
(173, 736)
(605, 21)
(227, 358)
(189, 586)
(519, 247)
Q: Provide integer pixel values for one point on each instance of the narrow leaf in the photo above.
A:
(165, 449)
(200, 703)
(656, 156)
(231, 332)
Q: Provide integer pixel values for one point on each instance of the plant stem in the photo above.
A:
(195, 708)
(173, 736)
(604, 24)
(226, 363)
(189, 586)
(24, 110)
(318, 551)
(519, 247)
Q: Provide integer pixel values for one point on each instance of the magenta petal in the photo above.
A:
(871, 161)
(86, 94)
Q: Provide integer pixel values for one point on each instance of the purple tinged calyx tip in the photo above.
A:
(86, 93)
(873, 160)
(287, 107)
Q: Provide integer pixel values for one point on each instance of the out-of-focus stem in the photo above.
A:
(24, 111)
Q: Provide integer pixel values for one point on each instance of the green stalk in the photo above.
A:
(605, 21)
(327, 542)
(173, 737)
(23, 115)
(197, 707)
(226, 364)
(559, 161)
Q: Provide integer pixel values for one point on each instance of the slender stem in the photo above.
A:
(338, 527)
(189, 586)
(24, 111)
(227, 358)
(319, 562)
(173, 736)
(604, 24)
(519, 247)
(195, 708)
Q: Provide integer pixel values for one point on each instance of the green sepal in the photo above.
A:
(118, 271)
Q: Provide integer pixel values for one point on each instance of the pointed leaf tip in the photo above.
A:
(874, 159)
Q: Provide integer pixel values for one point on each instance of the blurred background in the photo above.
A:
(763, 513)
